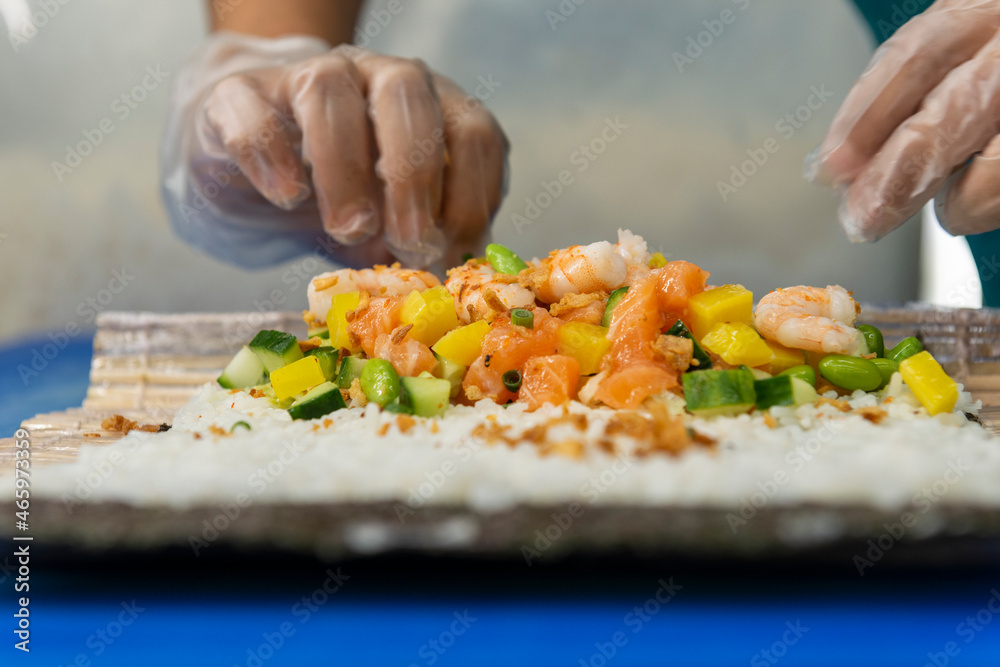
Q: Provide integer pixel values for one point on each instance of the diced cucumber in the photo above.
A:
(805, 393)
(245, 370)
(613, 300)
(321, 332)
(428, 396)
(350, 368)
(757, 373)
(275, 349)
(452, 371)
(719, 392)
(328, 358)
(318, 401)
(699, 355)
(783, 390)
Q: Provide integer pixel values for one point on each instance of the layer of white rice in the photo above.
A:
(815, 454)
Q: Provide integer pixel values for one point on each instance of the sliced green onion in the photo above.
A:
(240, 423)
(466, 257)
(512, 380)
(520, 317)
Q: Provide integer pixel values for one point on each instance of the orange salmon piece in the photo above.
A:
(678, 282)
(635, 323)
(551, 379)
(381, 317)
(628, 387)
(507, 347)
(635, 368)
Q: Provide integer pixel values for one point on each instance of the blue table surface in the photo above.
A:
(170, 608)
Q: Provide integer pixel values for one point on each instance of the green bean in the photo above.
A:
(886, 367)
(874, 339)
(504, 260)
(380, 382)
(905, 349)
(850, 372)
(806, 373)
(613, 300)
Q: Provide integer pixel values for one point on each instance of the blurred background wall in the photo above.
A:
(90, 233)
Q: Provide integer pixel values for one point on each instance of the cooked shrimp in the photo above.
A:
(811, 318)
(409, 357)
(379, 281)
(598, 267)
(481, 293)
(587, 308)
(633, 250)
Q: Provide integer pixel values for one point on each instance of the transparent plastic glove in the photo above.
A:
(273, 144)
(927, 103)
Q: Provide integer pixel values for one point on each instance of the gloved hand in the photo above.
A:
(273, 144)
(927, 103)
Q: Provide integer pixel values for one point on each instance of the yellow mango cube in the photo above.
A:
(336, 318)
(587, 343)
(464, 344)
(738, 344)
(729, 303)
(297, 377)
(784, 358)
(431, 312)
(930, 384)
(657, 261)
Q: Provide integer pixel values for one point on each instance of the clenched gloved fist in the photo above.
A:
(273, 144)
(927, 103)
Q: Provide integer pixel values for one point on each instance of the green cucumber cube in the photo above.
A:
(428, 396)
(350, 368)
(318, 401)
(245, 370)
(719, 392)
(275, 349)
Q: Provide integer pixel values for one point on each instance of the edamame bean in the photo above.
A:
(850, 372)
(380, 382)
(873, 337)
(806, 373)
(905, 349)
(504, 260)
(886, 367)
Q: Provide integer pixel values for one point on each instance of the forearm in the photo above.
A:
(331, 20)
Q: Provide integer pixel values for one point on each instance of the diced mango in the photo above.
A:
(587, 343)
(927, 380)
(297, 377)
(657, 261)
(738, 344)
(336, 318)
(464, 344)
(784, 358)
(729, 303)
(431, 312)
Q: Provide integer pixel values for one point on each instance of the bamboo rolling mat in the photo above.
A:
(146, 365)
